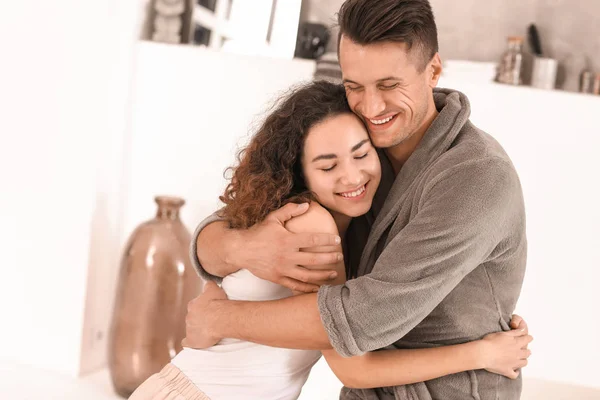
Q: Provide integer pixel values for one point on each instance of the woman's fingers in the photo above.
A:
(525, 353)
(521, 364)
(523, 341)
(515, 333)
(512, 374)
(515, 321)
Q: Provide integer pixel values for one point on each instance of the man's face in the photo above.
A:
(387, 89)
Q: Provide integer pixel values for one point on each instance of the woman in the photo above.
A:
(311, 148)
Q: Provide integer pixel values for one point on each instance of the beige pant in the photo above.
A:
(168, 384)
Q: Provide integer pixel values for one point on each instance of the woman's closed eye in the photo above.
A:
(327, 169)
(361, 157)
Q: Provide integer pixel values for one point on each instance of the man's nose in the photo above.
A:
(373, 104)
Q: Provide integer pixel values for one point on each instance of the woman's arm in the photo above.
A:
(503, 353)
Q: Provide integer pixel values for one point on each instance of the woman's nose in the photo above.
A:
(351, 177)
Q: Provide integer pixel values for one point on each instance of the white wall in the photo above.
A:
(64, 87)
(113, 148)
(52, 95)
(553, 139)
(191, 110)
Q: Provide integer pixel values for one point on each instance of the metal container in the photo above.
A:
(544, 73)
(596, 89)
(586, 82)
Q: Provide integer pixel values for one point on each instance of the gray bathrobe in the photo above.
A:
(439, 259)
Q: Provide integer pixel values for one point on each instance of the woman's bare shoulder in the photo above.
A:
(317, 219)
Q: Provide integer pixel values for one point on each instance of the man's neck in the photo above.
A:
(399, 154)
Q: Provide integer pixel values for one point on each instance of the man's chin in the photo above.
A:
(386, 143)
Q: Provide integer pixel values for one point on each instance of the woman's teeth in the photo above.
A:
(353, 194)
(381, 121)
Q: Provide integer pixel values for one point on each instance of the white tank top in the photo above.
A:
(234, 369)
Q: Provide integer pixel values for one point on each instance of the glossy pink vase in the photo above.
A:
(155, 284)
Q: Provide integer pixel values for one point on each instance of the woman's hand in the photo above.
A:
(517, 322)
(505, 353)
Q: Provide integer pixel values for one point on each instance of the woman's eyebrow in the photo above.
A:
(358, 145)
(324, 157)
(333, 156)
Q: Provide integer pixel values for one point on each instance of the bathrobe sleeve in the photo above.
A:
(463, 214)
(194, 247)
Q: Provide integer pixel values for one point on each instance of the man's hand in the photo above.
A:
(201, 316)
(271, 252)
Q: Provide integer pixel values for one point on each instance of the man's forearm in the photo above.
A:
(212, 249)
(292, 323)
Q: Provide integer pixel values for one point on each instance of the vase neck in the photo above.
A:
(168, 207)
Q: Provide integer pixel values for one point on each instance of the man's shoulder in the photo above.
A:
(474, 156)
(473, 148)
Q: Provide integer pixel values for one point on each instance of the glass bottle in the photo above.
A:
(510, 69)
(155, 284)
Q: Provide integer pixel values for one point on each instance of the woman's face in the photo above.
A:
(340, 165)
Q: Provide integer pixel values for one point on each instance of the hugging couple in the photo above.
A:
(371, 223)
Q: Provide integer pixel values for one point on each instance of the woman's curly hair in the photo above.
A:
(269, 172)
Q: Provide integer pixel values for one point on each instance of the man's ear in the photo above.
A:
(434, 70)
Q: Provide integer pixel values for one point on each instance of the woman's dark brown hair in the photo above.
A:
(269, 171)
(406, 21)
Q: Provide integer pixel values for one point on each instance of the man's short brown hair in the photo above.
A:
(406, 21)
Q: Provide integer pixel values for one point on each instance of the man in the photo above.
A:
(446, 250)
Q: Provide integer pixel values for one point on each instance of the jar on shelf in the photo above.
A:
(510, 68)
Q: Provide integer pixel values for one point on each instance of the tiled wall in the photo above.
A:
(573, 34)
(477, 29)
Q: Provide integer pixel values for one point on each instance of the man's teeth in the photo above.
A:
(381, 121)
(354, 194)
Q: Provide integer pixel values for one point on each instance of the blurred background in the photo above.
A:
(106, 104)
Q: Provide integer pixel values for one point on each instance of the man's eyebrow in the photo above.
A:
(391, 78)
(359, 145)
(387, 78)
